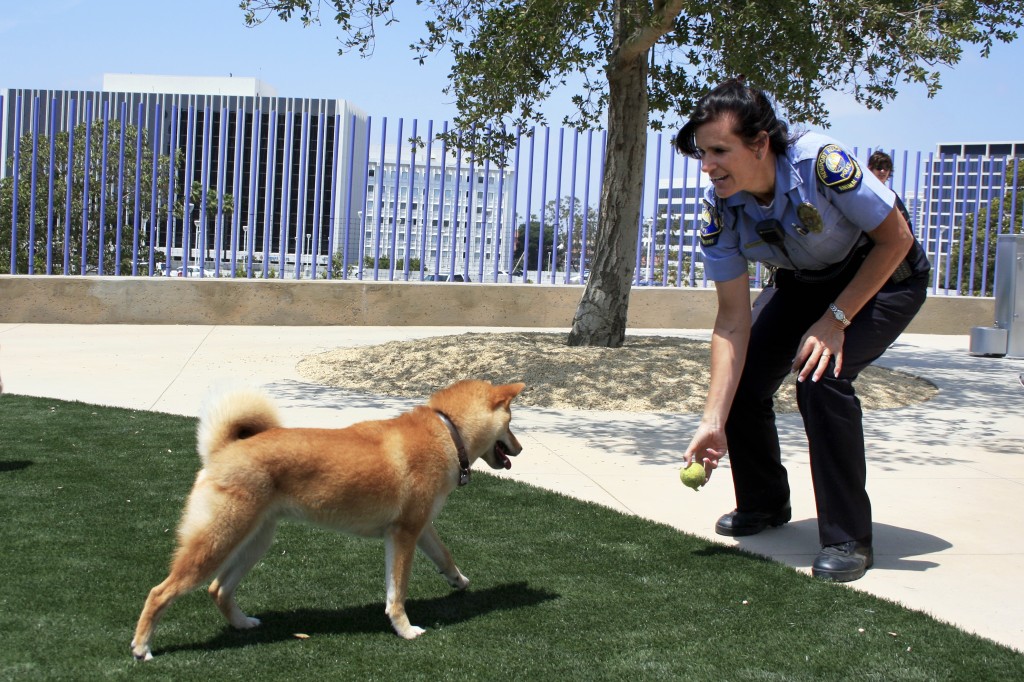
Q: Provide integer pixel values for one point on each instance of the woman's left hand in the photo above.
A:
(823, 340)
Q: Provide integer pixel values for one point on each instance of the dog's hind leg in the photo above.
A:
(211, 529)
(223, 587)
(399, 549)
(432, 546)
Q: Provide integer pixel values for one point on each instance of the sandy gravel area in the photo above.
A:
(648, 374)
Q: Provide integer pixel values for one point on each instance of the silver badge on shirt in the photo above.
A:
(809, 217)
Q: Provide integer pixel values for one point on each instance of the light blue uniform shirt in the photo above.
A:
(816, 170)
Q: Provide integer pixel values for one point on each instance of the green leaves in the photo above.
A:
(357, 19)
(511, 56)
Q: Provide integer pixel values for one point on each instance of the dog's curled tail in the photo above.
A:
(236, 415)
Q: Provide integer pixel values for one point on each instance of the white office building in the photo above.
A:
(960, 179)
(451, 215)
(673, 234)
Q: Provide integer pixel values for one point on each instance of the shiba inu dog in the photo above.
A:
(386, 478)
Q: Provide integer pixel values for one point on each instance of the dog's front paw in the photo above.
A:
(245, 623)
(141, 653)
(412, 632)
(457, 581)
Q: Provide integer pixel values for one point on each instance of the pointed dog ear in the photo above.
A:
(503, 395)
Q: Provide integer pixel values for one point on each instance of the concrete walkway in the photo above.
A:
(946, 477)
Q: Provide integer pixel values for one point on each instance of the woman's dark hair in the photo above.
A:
(749, 106)
(880, 161)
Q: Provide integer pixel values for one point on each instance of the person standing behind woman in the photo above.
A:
(880, 165)
(850, 277)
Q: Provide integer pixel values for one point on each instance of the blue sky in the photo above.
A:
(70, 44)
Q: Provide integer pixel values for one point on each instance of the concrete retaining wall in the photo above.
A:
(144, 300)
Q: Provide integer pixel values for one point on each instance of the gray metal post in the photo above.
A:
(1009, 291)
(1006, 338)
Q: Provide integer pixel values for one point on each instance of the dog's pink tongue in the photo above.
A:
(506, 462)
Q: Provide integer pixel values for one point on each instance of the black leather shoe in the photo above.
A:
(843, 562)
(737, 523)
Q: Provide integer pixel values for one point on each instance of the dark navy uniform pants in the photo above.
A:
(830, 408)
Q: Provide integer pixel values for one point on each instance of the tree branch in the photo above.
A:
(661, 22)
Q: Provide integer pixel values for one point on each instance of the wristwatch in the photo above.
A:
(839, 315)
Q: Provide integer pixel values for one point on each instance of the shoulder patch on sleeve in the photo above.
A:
(710, 224)
(837, 169)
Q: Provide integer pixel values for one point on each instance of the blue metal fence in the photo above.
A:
(272, 191)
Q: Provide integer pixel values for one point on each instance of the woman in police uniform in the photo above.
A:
(849, 279)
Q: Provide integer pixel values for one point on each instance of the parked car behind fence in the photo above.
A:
(446, 278)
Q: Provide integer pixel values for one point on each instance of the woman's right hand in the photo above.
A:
(707, 447)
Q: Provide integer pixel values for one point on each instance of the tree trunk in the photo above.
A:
(600, 318)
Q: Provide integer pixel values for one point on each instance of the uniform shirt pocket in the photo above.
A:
(830, 245)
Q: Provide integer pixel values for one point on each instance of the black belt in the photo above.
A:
(853, 260)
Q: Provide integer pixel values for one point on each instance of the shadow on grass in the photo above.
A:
(16, 465)
(450, 609)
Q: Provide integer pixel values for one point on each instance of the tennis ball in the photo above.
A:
(693, 475)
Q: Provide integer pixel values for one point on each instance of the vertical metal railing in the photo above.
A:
(16, 176)
(50, 192)
(278, 195)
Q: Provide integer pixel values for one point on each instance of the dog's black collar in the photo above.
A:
(460, 447)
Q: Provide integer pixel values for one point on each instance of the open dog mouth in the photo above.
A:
(501, 456)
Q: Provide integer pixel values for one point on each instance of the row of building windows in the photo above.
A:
(435, 194)
(983, 149)
(389, 173)
(446, 254)
(431, 238)
(680, 192)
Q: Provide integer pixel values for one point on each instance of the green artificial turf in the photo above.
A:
(560, 589)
